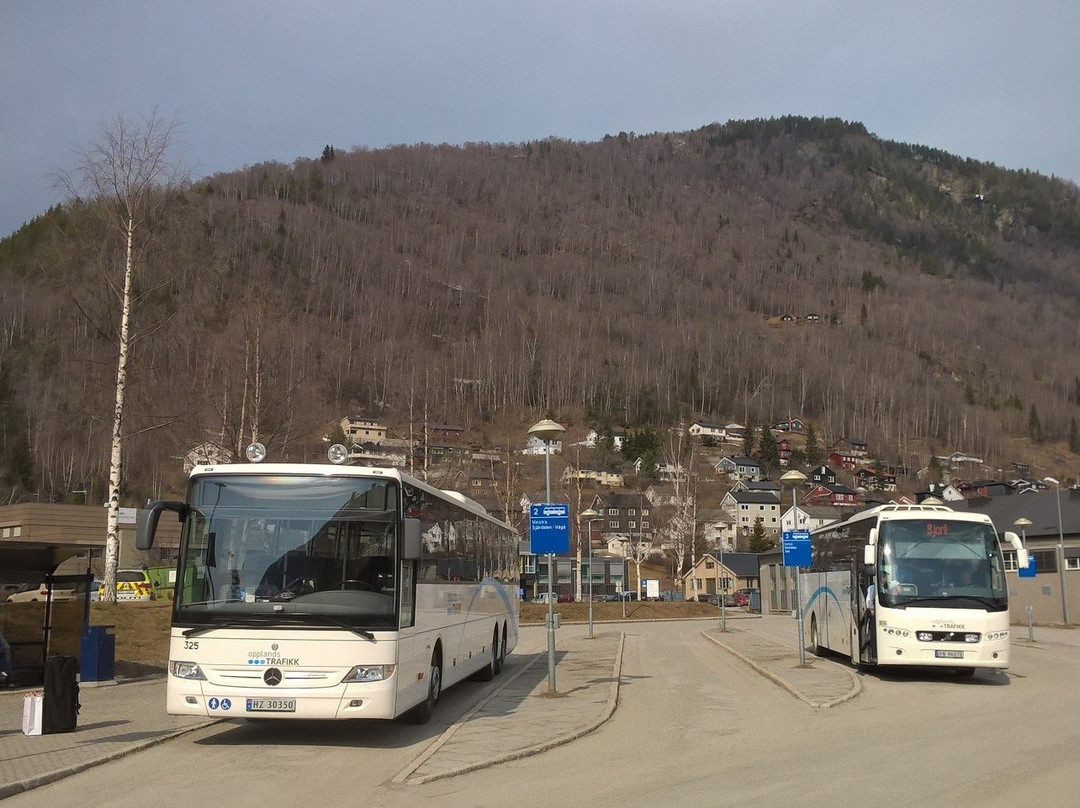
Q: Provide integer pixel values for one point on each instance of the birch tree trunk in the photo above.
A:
(126, 174)
(112, 525)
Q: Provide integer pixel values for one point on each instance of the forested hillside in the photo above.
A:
(631, 280)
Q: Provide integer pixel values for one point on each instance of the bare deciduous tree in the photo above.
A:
(125, 173)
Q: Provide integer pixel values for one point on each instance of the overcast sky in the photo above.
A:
(252, 82)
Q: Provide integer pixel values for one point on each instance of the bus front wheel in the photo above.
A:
(423, 711)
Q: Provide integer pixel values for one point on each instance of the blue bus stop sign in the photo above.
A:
(549, 528)
(1029, 570)
(796, 548)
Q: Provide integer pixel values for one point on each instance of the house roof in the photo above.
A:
(1039, 507)
(762, 485)
(612, 499)
(755, 498)
(744, 565)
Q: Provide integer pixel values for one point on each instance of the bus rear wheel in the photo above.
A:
(487, 673)
(815, 637)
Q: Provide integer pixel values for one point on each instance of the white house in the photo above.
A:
(362, 430)
(747, 507)
(535, 446)
(811, 517)
(704, 429)
(591, 439)
(206, 454)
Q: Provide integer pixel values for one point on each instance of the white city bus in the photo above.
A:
(332, 592)
(947, 601)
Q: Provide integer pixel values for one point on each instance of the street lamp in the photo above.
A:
(1061, 553)
(548, 431)
(794, 478)
(590, 516)
(1023, 523)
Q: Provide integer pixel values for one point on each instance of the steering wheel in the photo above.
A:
(352, 583)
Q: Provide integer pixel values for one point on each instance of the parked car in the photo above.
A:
(707, 597)
(742, 596)
(130, 585)
(7, 590)
(29, 593)
(566, 599)
(32, 594)
(543, 597)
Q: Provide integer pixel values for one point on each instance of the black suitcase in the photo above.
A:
(60, 707)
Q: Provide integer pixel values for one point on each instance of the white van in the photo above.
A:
(543, 597)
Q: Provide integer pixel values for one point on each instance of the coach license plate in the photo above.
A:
(949, 654)
(271, 705)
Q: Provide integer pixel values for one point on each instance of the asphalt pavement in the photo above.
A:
(520, 717)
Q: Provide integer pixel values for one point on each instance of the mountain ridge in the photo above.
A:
(629, 279)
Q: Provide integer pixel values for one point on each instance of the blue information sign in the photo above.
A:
(1029, 570)
(549, 528)
(796, 548)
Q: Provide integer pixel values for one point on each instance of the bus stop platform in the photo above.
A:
(815, 681)
(520, 717)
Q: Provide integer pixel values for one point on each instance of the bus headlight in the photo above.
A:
(971, 638)
(186, 670)
(997, 635)
(925, 636)
(369, 673)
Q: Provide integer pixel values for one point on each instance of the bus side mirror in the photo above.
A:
(868, 555)
(1022, 559)
(147, 519)
(1022, 554)
(410, 539)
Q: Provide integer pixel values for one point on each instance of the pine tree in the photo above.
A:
(813, 451)
(748, 441)
(1035, 431)
(759, 541)
(770, 452)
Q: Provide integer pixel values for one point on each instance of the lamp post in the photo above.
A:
(793, 478)
(1023, 523)
(590, 516)
(720, 578)
(1061, 553)
(547, 431)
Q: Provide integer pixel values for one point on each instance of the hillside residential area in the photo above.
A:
(704, 516)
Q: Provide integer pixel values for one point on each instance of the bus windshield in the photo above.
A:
(284, 548)
(939, 562)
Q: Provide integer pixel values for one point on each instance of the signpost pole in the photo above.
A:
(796, 552)
(547, 431)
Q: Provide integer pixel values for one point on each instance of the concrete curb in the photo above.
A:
(856, 685)
(404, 776)
(29, 784)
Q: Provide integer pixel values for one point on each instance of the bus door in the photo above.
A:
(863, 577)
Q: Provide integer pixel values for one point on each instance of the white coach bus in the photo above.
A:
(332, 592)
(939, 594)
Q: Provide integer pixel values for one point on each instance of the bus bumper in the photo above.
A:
(991, 654)
(200, 698)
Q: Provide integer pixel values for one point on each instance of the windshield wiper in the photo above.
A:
(256, 619)
(367, 635)
(195, 632)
